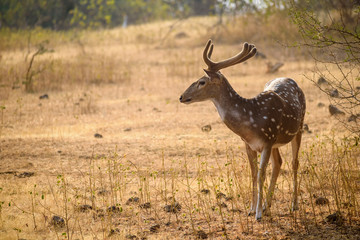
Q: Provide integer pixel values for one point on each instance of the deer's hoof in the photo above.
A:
(294, 207)
(258, 216)
(266, 211)
(251, 212)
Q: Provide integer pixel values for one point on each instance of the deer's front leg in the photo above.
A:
(276, 163)
(265, 155)
(252, 156)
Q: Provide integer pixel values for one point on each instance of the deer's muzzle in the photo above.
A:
(183, 100)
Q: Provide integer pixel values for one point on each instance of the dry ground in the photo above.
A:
(154, 148)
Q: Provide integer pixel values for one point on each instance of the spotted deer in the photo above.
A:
(266, 122)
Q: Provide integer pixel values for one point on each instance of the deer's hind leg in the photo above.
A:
(252, 156)
(295, 144)
(276, 165)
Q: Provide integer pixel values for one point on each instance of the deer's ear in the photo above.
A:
(211, 74)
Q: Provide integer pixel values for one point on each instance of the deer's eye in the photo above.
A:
(201, 83)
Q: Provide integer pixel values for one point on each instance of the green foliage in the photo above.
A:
(65, 14)
(30, 13)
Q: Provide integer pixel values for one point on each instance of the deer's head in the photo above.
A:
(208, 86)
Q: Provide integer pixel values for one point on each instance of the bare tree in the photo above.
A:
(331, 32)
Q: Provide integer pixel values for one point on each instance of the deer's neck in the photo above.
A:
(240, 115)
(228, 102)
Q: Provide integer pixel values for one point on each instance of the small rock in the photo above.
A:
(98, 135)
(320, 104)
(25, 174)
(335, 111)
(45, 96)
(57, 221)
(272, 68)
(321, 201)
(156, 109)
(335, 218)
(155, 228)
(201, 234)
(347, 204)
(229, 198)
(334, 93)
(205, 191)
(130, 236)
(321, 81)
(260, 55)
(145, 205)
(127, 129)
(84, 208)
(353, 118)
(206, 128)
(103, 192)
(113, 232)
(181, 35)
(220, 195)
(236, 210)
(132, 200)
(223, 205)
(173, 208)
(113, 209)
(100, 213)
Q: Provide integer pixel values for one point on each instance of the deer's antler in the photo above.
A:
(247, 52)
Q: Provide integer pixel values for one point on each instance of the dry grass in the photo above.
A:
(124, 84)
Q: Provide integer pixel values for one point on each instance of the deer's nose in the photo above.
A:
(181, 97)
